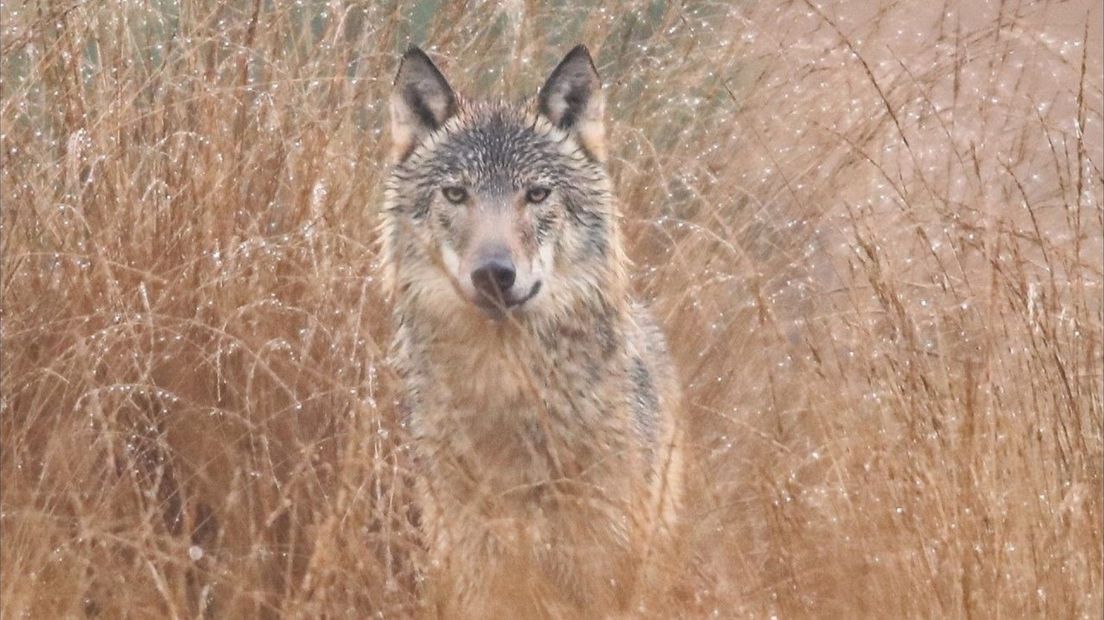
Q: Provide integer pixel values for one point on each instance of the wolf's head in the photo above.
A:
(501, 209)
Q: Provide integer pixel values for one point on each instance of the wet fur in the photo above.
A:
(547, 443)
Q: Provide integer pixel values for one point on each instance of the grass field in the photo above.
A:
(873, 232)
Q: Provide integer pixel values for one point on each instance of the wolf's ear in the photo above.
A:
(572, 99)
(421, 101)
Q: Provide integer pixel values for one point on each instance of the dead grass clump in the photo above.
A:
(874, 235)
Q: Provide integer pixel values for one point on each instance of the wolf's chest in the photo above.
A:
(484, 380)
(521, 421)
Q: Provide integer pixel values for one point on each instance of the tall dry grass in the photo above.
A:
(873, 234)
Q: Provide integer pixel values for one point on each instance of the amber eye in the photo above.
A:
(455, 195)
(537, 194)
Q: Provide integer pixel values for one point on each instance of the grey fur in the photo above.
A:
(547, 433)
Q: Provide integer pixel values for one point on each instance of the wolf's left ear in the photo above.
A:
(572, 99)
(421, 101)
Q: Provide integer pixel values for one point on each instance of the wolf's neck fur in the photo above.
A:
(496, 364)
(514, 390)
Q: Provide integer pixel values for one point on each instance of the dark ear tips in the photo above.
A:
(414, 56)
(580, 52)
(569, 88)
(425, 89)
(422, 101)
(414, 50)
(572, 99)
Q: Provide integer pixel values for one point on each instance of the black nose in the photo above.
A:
(494, 276)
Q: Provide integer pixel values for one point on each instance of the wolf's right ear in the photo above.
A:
(421, 101)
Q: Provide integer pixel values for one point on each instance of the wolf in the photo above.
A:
(541, 399)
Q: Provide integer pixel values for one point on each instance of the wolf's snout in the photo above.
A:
(494, 277)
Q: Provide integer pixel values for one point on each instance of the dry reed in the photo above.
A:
(873, 232)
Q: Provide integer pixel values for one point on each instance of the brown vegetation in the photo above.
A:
(874, 235)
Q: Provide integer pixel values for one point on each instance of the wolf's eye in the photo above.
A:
(455, 195)
(537, 194)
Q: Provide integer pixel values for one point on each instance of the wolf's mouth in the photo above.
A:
(496, 307)
(532, 293)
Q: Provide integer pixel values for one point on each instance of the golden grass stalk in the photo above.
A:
(874, 234)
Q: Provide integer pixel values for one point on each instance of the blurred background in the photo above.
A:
(873, 232)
